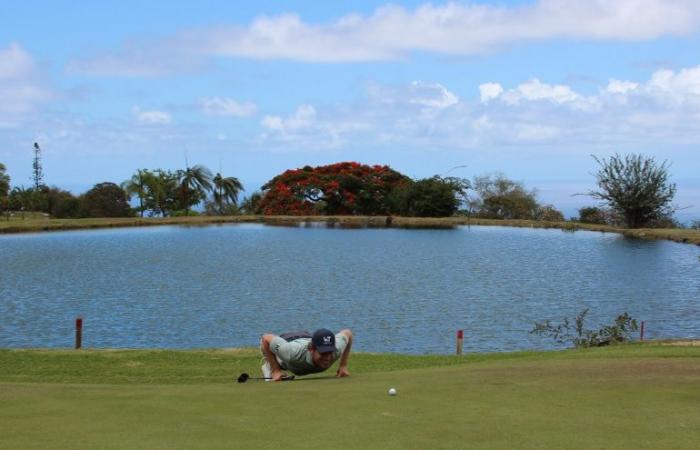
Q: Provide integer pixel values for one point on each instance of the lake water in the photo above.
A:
(399, 290)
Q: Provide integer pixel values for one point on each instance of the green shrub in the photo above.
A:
(574, 332)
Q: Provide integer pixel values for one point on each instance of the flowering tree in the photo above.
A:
(341, 188)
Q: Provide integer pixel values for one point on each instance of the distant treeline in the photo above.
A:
(351, 188)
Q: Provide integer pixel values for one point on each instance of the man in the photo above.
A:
(302, 353)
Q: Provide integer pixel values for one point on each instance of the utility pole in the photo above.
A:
(38, 173)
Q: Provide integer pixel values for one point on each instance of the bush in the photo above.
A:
(575, 333)
(591, 214)
(106, 200)
(637, 188)
(429, 197)
(549, 213)
(502, 198)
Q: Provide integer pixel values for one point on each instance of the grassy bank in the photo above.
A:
(43, 224)
(624, 397)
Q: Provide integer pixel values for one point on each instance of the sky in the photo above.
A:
(528, 88)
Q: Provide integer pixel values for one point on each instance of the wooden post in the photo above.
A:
(460, 341)
(641, 332)
(78, 333)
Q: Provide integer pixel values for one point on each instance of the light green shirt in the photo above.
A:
(295, 356)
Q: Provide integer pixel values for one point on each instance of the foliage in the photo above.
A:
(160, 192)
(549, 213)
(136, 185)
(574, 332)
(695, 224)
(429, 197)
(4, 187)
(251, 204)
(106, 200)
(341, 188)
(37, 172)
(225, 190)
(62, 204)
(502, 198)
(594, 215)
(636, 187)
(193, 184)
(28, 199)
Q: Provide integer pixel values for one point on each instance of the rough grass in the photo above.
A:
(34, 225)
(623, 397)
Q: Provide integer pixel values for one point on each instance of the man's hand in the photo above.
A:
(342, 372)
(277, 375)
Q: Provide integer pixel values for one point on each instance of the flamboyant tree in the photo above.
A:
(341, 188)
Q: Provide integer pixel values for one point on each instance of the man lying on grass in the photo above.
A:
(302, 353)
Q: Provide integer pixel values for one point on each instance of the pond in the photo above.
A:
(405, 291)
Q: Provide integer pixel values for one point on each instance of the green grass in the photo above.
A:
(18, 225)
(622, 397)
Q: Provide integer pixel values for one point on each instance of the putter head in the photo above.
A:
(243, 378)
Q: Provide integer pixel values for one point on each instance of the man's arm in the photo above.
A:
(343, 365)
(270, 356)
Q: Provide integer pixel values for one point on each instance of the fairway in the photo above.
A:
(634, 396)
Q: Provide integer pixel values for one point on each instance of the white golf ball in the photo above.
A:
(392, 391)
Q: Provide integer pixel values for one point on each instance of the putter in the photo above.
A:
(245, 377)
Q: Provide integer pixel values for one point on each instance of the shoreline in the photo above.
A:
(40, 225)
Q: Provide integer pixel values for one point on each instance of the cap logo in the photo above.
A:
(327, 340)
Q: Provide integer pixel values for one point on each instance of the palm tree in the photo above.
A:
(136, 185)
(195, 179)
(226, 190)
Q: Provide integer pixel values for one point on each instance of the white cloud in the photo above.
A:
(534, 90)
(151, 117)
(15, 63)
(664, 109)
(393, 32)
(431, 95)
(620, 87)
(489, 91)
(301, 119)
(21, 89)
(224, 106)
(683, 87)
(304, 130)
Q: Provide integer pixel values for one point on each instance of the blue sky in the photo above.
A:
(528, 88)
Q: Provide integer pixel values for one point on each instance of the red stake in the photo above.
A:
(78, 333)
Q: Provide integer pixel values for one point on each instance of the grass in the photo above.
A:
(16, 225)
(623, 397)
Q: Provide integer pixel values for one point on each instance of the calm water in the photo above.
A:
(399, 290)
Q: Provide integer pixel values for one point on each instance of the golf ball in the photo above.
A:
(392, 391)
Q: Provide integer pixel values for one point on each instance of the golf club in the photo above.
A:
(245, 377)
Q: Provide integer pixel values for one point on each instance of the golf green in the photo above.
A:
(623, 397)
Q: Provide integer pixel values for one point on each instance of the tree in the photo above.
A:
(4, 188)
(194, 183)
(106, 200)
(251, 204)
(549, 213)
(429, 197)
(37, 172)
(136, 185)
(591, 214)
(636, 187)
(161, 188)
(341, 188)
(62, 204)
(501, 198)
(226, 191)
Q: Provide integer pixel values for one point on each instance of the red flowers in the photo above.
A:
(340, 188)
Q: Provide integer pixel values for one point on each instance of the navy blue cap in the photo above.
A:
(323, 340)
